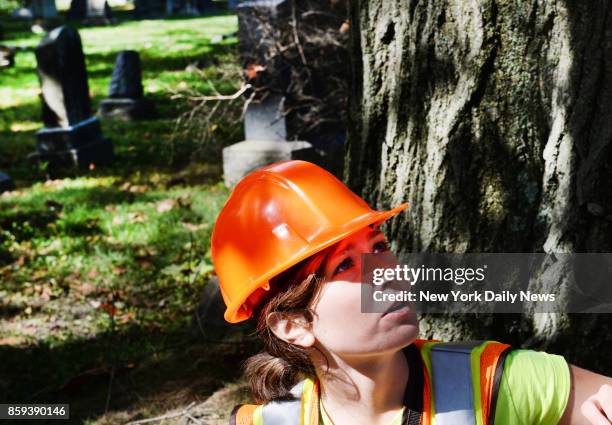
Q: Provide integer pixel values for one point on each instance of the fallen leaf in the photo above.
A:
(109, 308)
(252, 69)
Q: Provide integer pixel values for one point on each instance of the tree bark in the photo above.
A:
(493, 119)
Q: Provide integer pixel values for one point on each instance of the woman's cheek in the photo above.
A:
(340, 325)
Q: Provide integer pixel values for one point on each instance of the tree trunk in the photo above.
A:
(493, 119)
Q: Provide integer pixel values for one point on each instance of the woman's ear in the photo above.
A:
(291, 328)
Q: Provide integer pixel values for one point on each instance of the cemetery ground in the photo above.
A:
(101, 272)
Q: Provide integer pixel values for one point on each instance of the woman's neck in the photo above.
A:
(364, 390)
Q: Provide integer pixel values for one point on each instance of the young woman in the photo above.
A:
(287, 249)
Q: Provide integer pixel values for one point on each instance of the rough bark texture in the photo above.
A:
(493, 120)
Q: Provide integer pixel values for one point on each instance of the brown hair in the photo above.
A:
(273, 372)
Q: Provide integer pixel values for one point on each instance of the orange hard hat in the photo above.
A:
(275, 217)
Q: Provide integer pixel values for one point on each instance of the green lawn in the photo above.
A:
(100, 271)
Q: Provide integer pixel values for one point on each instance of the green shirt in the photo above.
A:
(534, 390)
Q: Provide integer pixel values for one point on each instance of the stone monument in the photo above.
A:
(71, 135)
(265, 133)
(125, 93)
(303, 77)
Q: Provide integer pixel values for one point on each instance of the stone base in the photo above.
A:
(78, 146)
(127, 109)
(241, 158)
(6, 183)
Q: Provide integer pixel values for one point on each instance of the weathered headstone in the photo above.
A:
(90, 11)
(263, 25)
(71, 135)
(125, 94)
(265, 132)
(44, 9)
(6, 183)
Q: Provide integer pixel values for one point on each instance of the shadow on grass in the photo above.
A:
(123, 369)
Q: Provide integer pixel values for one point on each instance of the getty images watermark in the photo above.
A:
(488, 282)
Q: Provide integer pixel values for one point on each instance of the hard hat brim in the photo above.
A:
(234, 313)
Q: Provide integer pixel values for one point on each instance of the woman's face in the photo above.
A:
(339, 325)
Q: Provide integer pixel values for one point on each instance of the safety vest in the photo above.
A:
(450, 383)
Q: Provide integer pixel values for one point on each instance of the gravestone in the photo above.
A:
(125, 94)
(90, 11)
(265, 131)
(71, 136)
(6, 183)
(263, 25)
(44, 9)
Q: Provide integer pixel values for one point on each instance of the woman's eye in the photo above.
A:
(345, 264)
(382, 246)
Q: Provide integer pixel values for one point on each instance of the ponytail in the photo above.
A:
(270, 377)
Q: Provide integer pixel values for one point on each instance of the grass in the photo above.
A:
(101, 271)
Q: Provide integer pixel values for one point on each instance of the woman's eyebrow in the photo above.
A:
(371, 235)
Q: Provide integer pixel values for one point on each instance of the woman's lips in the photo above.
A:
(396, 314)
(398, 306)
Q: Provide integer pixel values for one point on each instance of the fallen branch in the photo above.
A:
(219, 97)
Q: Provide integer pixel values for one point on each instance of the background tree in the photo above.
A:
(492, 119)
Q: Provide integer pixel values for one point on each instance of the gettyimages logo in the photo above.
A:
(488, 283)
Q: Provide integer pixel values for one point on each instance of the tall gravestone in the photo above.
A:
(71, 135)
(268, 126)
(263, 24)
(126, 94)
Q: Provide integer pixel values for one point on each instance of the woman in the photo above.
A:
(287, 249)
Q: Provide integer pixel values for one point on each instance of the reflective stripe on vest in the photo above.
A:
(461, 381)
(284, 412)
(453, 389)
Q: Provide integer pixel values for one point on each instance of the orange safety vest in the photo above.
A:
(458, 382)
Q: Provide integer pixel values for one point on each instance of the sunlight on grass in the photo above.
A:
(106, 266)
